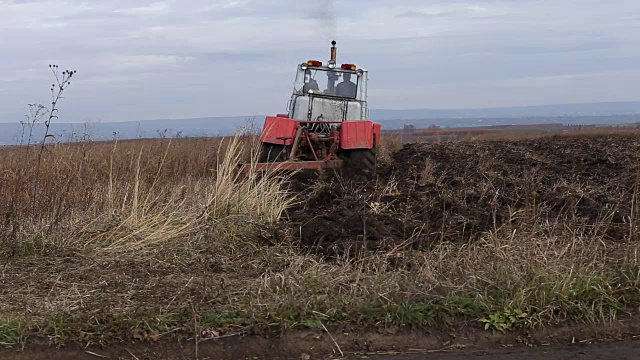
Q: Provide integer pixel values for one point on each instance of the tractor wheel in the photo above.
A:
(273, 153)
(362, 160)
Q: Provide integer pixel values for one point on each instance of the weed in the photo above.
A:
(311, 323)
(390, 144)
(427, 174)
(63, 81)
(12, 332)
(219, 319)
(504, 320)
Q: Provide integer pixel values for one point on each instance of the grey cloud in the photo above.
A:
(148, 59)
(471, 12)
(424, 15)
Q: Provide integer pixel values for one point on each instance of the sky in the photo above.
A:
(138, 60)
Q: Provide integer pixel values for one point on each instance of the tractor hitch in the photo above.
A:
(292, 165)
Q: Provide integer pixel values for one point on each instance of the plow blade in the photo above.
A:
(293, 165)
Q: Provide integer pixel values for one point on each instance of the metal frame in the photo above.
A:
(303, 136)
(296, 165)
(293, 162)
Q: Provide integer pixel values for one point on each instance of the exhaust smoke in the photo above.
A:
(324, 13)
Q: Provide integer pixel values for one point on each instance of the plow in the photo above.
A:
(326, 125)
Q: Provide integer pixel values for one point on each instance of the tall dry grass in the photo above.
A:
(390, 143)
(133, 188)
(124, 195)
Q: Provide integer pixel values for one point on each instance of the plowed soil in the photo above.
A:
(458, 191)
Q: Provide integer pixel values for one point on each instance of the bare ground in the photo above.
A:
(621, 341)
(619, 350)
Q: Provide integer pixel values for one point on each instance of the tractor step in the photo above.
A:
(294, 165)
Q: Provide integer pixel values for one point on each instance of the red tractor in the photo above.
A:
(326, 125)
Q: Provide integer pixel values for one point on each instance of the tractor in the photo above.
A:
(326, 125)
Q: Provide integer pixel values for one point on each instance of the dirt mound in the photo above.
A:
(457, 191)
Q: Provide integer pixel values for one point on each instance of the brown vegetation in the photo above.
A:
(510, 132)
(156, 239)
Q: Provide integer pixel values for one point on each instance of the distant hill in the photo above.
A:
(592, 113)
(11, 133)
(586, 109)
(564, 120)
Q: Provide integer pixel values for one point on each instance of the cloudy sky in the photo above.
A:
(190, 58)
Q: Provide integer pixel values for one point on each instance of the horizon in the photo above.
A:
(604, 114)
(635, 102)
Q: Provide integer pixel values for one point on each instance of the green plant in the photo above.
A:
(219, 319)
(504, 320)
(311, 323)
(10, 333)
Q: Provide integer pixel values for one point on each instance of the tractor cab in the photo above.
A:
(329, 92)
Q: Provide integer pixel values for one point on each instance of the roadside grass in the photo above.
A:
(159, 239)
(552, 284)
(278, 287)
(12, 331)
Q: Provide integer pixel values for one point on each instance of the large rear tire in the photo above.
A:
(362, 160)
(271, 153)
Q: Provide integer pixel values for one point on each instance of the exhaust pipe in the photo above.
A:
(333, 53)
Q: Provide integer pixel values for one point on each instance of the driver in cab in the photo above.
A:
(346, 88)
(311, 83)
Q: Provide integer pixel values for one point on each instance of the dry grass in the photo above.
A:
(143, 190)
(571, 133)
(427, 174)
(389, 144)
(486, 134)
(555, 279)
(138, 239)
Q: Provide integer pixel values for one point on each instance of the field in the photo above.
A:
(116, 246)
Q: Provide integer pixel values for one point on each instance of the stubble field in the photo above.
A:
(160, 241)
